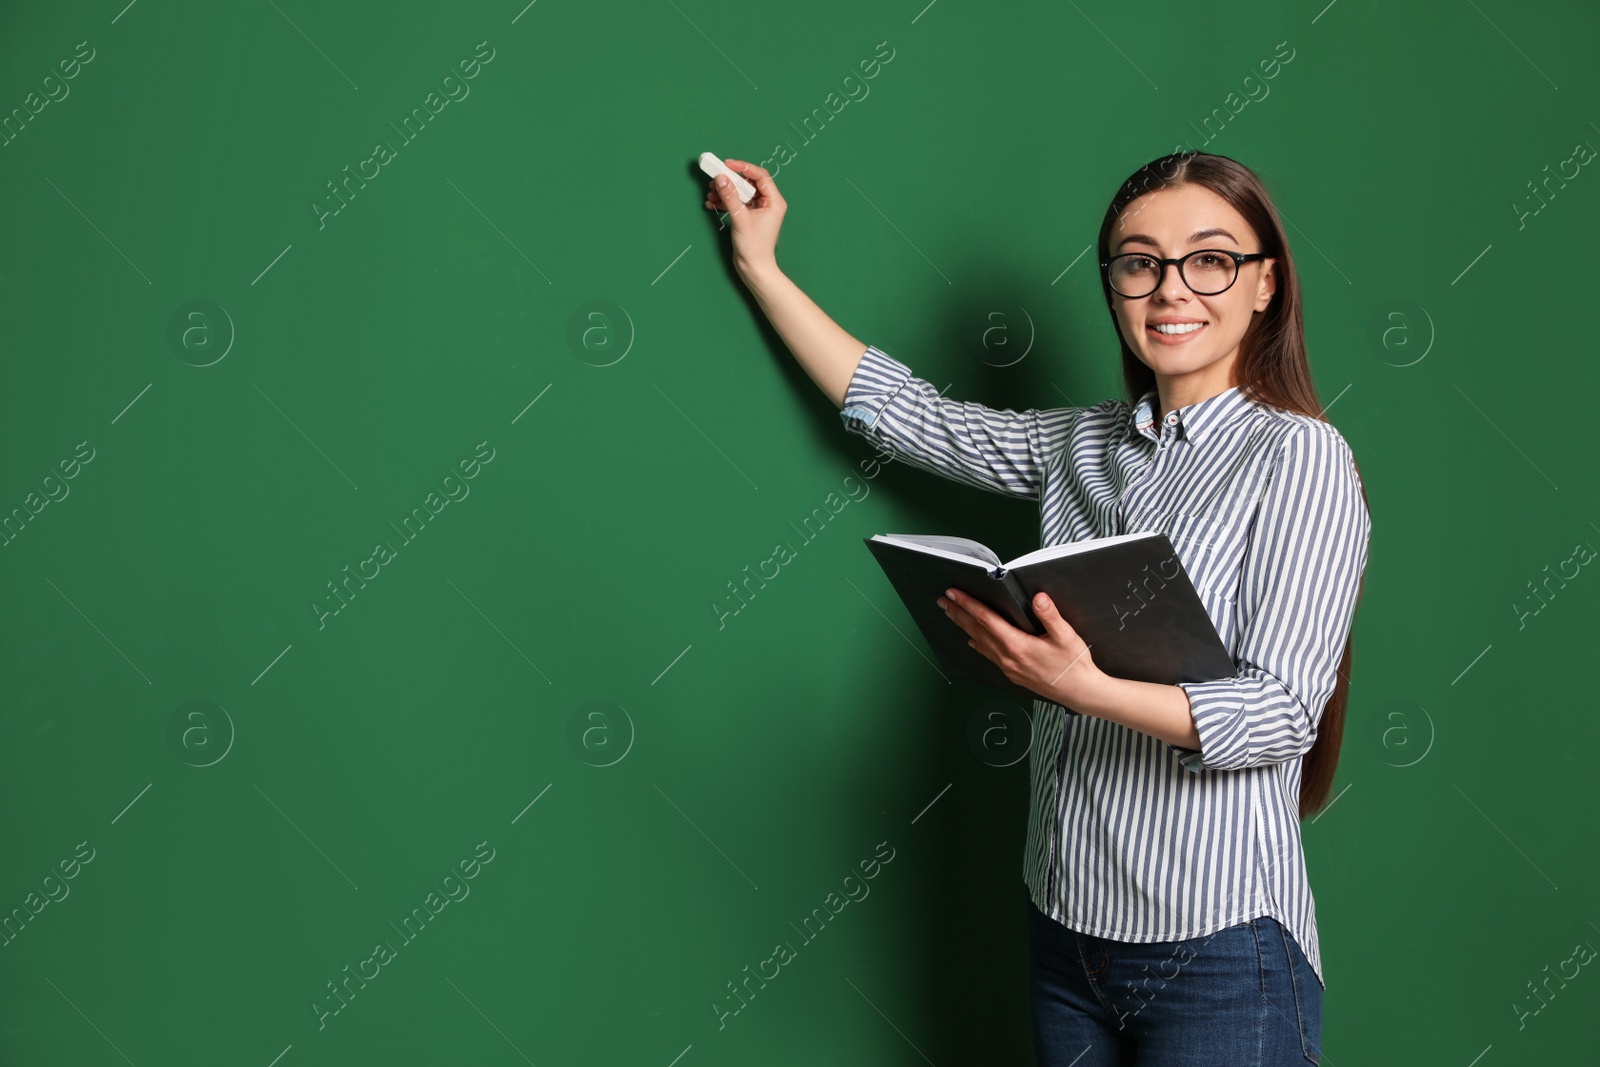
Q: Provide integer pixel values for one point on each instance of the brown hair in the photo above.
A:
(1272, 369)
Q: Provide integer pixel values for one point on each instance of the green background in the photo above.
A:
(650, 846)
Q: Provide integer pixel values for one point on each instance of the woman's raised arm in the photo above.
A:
(1003, 451)
(824, 348)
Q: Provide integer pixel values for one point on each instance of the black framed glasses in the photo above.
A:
(1207, 271)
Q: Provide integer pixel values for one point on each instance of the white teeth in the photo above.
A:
(1185, 327)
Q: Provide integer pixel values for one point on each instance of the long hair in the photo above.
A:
(1271, 369)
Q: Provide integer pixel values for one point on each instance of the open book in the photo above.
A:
(1127, 596)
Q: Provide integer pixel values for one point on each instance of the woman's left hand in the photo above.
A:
(1057, 665)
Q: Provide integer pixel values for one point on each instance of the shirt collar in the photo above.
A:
(1195, 420)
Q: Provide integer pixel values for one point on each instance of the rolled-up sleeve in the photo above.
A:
(1302, 570)
(1003, 451)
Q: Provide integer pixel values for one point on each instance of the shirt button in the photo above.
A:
(1172, 420)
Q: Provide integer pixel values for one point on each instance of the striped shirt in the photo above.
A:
(1129, 837)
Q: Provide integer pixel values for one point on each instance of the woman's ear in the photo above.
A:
(1268, 284)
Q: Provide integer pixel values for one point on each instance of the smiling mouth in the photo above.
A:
(1176, 333)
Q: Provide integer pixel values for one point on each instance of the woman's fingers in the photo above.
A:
(726, 196)
(749, 170)
(766, 188)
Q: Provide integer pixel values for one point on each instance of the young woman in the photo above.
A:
(1169, 914)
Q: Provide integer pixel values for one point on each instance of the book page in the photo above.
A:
(1072, 548)
(958, 548)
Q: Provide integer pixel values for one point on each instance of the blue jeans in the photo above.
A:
(1242, 997)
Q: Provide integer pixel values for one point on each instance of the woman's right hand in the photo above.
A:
(756, 224)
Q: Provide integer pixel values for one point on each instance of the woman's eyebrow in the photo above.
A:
(1198, 235)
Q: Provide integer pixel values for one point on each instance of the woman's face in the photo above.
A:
(1169, 223)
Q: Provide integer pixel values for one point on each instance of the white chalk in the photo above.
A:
(714, 168)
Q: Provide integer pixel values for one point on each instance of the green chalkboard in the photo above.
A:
(385, 434)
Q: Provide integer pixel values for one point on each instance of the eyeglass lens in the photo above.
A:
(1207, 273)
